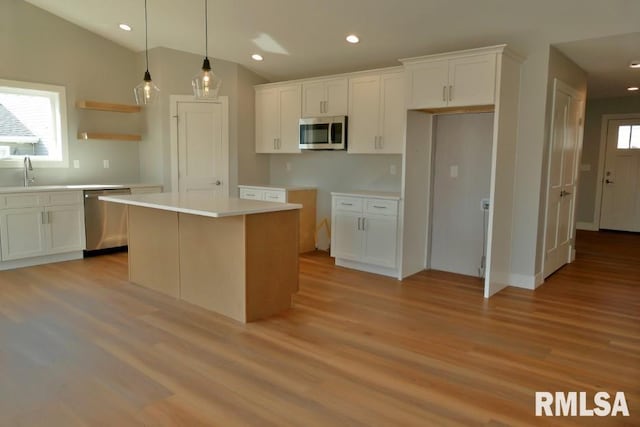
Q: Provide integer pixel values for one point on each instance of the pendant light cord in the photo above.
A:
(146, 36)
(206, 29)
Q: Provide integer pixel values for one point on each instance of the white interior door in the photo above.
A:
(566, 134)
(202, 146)
(621, 184)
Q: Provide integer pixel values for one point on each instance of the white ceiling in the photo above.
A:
(306, 37)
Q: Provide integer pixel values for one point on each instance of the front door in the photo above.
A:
(621, 184)
(202, 146)
(565, 144)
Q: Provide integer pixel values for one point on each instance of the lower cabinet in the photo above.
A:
(304, 196)
(365, 232)
(44, 226)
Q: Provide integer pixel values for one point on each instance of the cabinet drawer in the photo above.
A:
(382, 207)
(252, 194)
(275, 196)
(25, 200)
(348, 204)
(61, 198)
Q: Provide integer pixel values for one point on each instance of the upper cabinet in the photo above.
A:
(376, 113)
(324, 97)
(277, 118)
(451, 80)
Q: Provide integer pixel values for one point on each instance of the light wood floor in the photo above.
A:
(80, 346)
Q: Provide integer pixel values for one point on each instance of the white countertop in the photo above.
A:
(22, 189)
(392, 195)
(278, 187)
(203, 203)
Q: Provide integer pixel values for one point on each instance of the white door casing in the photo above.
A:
(199, 144)
(564, 152)
(620, 209)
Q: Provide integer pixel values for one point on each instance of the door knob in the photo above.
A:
(564, 193)
(218, 182)
(607, 181)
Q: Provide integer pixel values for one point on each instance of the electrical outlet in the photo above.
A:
(105, 164)
(76, 164)
(392, 169)
(484, 204)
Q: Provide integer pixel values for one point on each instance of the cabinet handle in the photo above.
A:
(444, 93)
(450, 93)
(346, 204)
(359, 219)
(380, 142)
(250, 195)
(379, 207)
(43, 217)
(364, 223)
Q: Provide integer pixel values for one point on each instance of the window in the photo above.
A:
(33, 122)
(628, 137)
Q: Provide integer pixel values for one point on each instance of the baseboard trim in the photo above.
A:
(369, 268)
(588, 226)
(525, 281)
(48, 259)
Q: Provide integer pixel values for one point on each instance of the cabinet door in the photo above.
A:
(289, 120)
(392, 113)
(336, 97)
(364, 114)
(146, 190)
(379, 247)
(346, 238)
(22, 233)
(65, 231)
(313, 97)
(472, 80)
(267, 119)
(427, 83)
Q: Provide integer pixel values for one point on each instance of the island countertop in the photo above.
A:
(203, 203)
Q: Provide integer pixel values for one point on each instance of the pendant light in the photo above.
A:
(206, 84)
(147, 91)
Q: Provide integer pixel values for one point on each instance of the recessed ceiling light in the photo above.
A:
(125, 27)
(257, 57)
(352, 38)
(633, 88)
(634, 64)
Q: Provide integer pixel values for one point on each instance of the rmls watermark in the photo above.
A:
(573, 403)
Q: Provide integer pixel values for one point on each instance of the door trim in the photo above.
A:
(604, 130)
(174, 100)
(559, 85)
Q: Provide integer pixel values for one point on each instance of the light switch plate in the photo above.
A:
(585, 167)
(105, 164)
(392, 169)
(453, 171)
(76, 164)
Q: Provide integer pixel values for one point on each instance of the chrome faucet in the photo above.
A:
(28, 178)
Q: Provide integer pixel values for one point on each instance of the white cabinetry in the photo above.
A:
(146, 190)
(324, 97)
(365, 232)
(41, 224)
(376, 113)
(277, 118)
(451, 80)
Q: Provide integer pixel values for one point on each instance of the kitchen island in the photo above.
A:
(235, 257)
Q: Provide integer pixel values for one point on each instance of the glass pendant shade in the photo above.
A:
(206, 84)
(147, 91)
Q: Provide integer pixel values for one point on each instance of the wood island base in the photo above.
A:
(244, 267)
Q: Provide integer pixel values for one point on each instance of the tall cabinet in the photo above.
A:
(485, 79)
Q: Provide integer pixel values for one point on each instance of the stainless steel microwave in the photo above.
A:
(323, 133)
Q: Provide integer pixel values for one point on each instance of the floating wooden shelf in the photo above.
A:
(105, 106)
(113, 136)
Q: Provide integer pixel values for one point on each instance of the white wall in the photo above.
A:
(463, 141)
(36, 46)
(172, 71)
(335, 171)
(588, 180)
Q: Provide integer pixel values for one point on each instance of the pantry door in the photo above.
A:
(200, 153)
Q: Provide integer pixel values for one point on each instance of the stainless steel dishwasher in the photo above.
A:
(105, 223)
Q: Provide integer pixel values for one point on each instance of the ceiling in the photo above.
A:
(303, 38)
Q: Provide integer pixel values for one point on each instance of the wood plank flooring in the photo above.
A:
(80, 346)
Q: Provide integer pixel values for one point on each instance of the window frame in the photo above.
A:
(58, 97)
